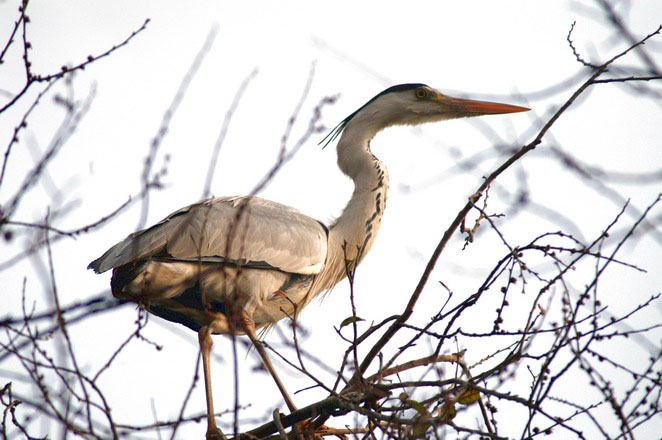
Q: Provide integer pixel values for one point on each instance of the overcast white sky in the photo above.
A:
(504, 51)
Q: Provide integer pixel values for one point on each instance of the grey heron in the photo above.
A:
(237, 264)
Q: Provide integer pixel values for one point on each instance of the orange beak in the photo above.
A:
(468, 107)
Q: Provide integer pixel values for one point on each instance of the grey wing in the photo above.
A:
(243, 230)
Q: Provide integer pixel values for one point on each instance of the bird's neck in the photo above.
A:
(352, 234)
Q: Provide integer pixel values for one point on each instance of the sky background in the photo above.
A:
(505, 51)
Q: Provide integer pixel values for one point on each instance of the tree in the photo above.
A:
(536, 344)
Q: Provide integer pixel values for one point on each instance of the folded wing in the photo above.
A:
(247, 231)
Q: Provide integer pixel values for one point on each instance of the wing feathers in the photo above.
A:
(247, 229)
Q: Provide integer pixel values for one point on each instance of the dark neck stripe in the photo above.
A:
(337, 130)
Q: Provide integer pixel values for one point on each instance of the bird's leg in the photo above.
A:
(248, 325)
(206, 342)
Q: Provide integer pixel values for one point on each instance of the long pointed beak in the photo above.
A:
(468, 107)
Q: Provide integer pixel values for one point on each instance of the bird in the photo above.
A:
(234, 265)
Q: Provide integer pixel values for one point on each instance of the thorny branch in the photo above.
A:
(553, 331)
(476, 195)
(32, 78)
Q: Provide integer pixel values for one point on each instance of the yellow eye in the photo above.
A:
(421, 93)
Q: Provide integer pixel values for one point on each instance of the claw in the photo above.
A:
(310, 430)
(215, 434)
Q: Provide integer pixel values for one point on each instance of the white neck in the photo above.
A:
(357, 226)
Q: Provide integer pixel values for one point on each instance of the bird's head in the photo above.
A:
(413, 104)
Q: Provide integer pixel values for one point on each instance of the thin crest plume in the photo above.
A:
(337, 130)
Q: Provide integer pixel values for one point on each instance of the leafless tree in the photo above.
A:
(403, 377)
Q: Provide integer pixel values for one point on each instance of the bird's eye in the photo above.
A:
(421, 93)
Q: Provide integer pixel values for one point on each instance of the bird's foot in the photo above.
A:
(311, 431)
(215, 434)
